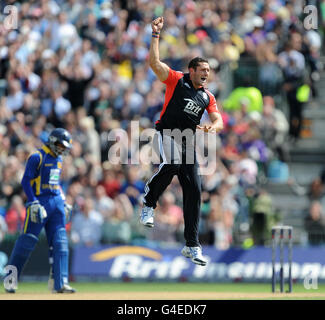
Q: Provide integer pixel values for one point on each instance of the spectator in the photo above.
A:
(270, 77)
(110, 182)
(116, 227)
(103, 204)
(133, 187)
(169, 220)
(315, 224)
(169, 208)
(61, 107)
(66, 31)
(230, 150)
(256, 37)
(87, 125)
(255, 147)
(312, 41)
(15, 215)
(77, 79)
(15, 99)
(246, 170)
(292, 63)
(263, 217)
(316, 190)
(86, 224)
(221, 222)
(3, 228)
(274, 128)
(11, 175)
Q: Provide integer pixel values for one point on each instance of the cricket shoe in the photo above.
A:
(10, 290)
(65, 289)
(195, 253)
(146, 217)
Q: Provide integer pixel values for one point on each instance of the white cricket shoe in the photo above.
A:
(65, 289)
(195, 253)
(146, 217)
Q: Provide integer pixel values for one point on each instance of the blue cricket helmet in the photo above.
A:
(60, 141)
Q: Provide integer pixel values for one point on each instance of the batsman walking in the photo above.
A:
(186, 99)
(46, 207)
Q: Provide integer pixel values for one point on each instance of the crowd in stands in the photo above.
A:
(83, 65)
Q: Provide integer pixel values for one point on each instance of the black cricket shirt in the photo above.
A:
(184, 105)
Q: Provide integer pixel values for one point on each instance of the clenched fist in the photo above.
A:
(157, 24)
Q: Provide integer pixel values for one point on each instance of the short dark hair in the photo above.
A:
(196, 61)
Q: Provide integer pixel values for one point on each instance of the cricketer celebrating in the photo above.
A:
(46, 207)
(186, 99)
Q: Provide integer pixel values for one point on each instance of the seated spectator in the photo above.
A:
(168, 220)
(15, 99)
(92, 145)
(256, 149)
(110, 182)
(10, 182)
(316, 190)
(133, 187)
(116, 227)
(254, 38)
(211, 182)
(103, 203)
(172, 212)
(220, 221)
(274, 128)
(3, 228)
(246, 170)
(315, 224)
(230, 150)
(225, 50)
(86, 224)
(15, 215)
(262, 217)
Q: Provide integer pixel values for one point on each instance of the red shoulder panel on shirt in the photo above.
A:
(173, 77)
(212, 107)
(171, 82)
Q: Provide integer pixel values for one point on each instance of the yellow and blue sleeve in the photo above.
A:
(31, 176)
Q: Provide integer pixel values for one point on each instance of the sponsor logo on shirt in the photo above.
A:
(192, 107)
(54, 176)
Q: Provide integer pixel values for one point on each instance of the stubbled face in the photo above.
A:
(200, 76)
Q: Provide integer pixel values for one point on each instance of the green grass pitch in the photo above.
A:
(241, 288)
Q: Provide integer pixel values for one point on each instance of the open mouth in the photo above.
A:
(203, 79)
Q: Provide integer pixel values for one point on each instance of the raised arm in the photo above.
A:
(159, 68)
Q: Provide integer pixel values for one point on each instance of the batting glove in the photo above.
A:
(36, 211)
(68, 212)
